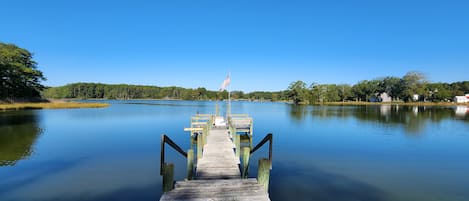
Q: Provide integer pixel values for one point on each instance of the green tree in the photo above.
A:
(364, 90)
(345, 91)
(19, 76)
(393, 86)
(438, 92)
(414, 83)
(297, 92)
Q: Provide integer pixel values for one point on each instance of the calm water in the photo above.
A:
(320, 153)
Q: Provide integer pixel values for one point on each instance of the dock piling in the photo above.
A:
(190, 164)
(168, 177)
(199, 146)
(263, 173)
(246, 155)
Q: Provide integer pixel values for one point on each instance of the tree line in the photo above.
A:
(125, 91)
(398, 89)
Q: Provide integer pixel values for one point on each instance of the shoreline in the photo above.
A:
(348, 103)
(393, 103)
(50, 105)
(71, 104)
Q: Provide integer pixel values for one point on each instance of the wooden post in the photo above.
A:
(205, 133)
(199, 146)
(246, 155)
(238, 144)
(263, 173)
(190, 164)
(250, 129)
(168, 177)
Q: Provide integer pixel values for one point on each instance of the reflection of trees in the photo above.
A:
(411, 118)
(298, 112)
(18, 132)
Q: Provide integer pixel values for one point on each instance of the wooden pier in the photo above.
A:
(218, 173)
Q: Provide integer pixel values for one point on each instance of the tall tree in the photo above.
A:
(414, 83)
(297, 92)
(393, 86)
(365, 89)
(19, 76)
(345, 91)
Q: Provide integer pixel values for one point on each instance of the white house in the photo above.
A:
(385, 97)
(461, 99)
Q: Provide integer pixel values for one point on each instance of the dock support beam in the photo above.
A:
(199, 146)
(263, 173)
(237, 144)
(168, 177)
(190, 164)
(246, 155)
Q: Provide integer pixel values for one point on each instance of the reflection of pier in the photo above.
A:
(461, 110)
(218, 173)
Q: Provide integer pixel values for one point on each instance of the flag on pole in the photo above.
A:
(225, 83)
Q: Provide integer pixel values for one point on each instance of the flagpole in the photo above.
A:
(229, 97)
(229, 102)
(225, 86)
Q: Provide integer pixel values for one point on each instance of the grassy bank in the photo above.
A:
(51, 105)
(395, 103)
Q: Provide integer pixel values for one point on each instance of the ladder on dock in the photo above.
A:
(217, 174)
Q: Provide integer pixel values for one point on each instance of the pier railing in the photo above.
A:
(265, 165)
(242, 122)
(269, 138)
(167, 170)
(201, 125)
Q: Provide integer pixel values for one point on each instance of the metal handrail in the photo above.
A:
(166, 139)
(268, 137)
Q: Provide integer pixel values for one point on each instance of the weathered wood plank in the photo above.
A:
(212, 183)
(193, 129)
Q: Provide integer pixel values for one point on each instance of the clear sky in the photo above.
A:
(264, 44)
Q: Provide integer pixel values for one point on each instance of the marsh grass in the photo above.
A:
(52, 105)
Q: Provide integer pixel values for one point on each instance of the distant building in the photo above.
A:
(415, 97)
(461, 99)
(385, 97)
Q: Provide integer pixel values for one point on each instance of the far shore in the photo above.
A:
(354, 103)
(346, 103)
(71, 104)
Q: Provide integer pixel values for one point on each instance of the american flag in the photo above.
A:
(225, 83)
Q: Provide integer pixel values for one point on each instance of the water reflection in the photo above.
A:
(18, 133)
(298, 112)
(461, 111)
(412, 118)
(322, 185)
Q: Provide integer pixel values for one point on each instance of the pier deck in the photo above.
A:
(217, 175)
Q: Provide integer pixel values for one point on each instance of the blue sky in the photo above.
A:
(264, 44)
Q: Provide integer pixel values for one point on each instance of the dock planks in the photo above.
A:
(217, 176)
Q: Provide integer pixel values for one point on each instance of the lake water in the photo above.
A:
(377, 153)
